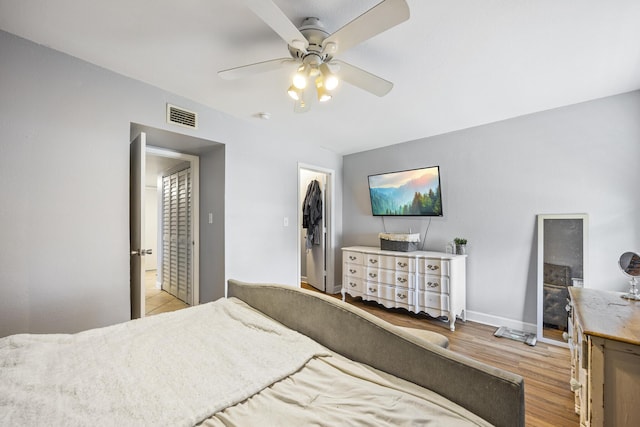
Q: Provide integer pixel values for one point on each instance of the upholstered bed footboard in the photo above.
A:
(494, 394)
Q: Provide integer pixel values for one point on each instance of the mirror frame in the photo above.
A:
(540, 277)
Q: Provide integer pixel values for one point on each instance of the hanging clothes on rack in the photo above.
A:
(312, 213)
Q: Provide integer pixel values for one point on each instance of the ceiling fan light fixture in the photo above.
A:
(324, 95)
(300, 77)
(330, 80)
(322, 91)
(294, 92)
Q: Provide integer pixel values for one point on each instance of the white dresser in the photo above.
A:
(419, 281)
(605, 357)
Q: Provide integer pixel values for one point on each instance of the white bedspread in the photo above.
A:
(171, 369)
(336, 391)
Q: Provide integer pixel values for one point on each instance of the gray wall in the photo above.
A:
(212, 171)
(64, 165)
(496, 178)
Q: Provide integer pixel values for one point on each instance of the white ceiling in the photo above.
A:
(455, 64)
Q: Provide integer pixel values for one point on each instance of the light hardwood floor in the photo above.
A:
(546, 368)
(156, 300)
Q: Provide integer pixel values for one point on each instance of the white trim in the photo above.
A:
(497, 321)
(195, 211)
(331, 242)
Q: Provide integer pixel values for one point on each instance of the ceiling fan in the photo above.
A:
(313, 51)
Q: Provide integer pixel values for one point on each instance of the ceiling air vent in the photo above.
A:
(180, 116)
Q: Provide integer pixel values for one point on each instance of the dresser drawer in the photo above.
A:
(434, 266)
(390, 293)
(405, 280)
(354, 270)
(371, 288)
(389, 277)
(353, 257)
(353, 284)
(404, 296)
(397, 263)
(371, 260)
(372, 274)
(434, 300)
(433, 283)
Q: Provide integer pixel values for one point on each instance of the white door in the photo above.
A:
(317, 255)
(136, 224)
(177, 238)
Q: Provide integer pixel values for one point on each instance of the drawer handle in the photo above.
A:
(402, 264)
(372, 289)
(353, 285)
(575, 385)
(373, 261)
(433, 284)
(373, 275)
(352, 258)
(432, 267)
(352, 271)
(401, 296)
(402, 280)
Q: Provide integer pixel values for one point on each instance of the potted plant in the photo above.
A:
(461, 245)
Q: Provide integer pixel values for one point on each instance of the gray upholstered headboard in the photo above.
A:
(494, 394)
(555, 274)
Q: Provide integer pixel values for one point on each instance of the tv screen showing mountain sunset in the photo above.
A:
(414, 192)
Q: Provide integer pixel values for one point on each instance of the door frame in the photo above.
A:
(195, 213)
(137, 169)
(331, 239)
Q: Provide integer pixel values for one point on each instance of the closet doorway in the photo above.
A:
(316, 256)
(173, 178)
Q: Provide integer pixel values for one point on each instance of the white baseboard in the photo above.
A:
(491, 320)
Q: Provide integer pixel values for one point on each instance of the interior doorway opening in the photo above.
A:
(316, 249)
(171, 228)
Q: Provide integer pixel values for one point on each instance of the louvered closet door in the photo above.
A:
(176, 235)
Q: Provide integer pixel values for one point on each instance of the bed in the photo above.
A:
(265, 355)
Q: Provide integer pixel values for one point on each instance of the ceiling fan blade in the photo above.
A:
(278, 21)
(257, 68)
(363, 79)
(384, 15)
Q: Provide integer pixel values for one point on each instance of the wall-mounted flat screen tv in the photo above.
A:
(414, 192)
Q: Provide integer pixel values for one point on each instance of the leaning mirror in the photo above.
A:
(562, 258)
(630, 266)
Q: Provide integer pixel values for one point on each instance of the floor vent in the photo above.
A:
(180, 116)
